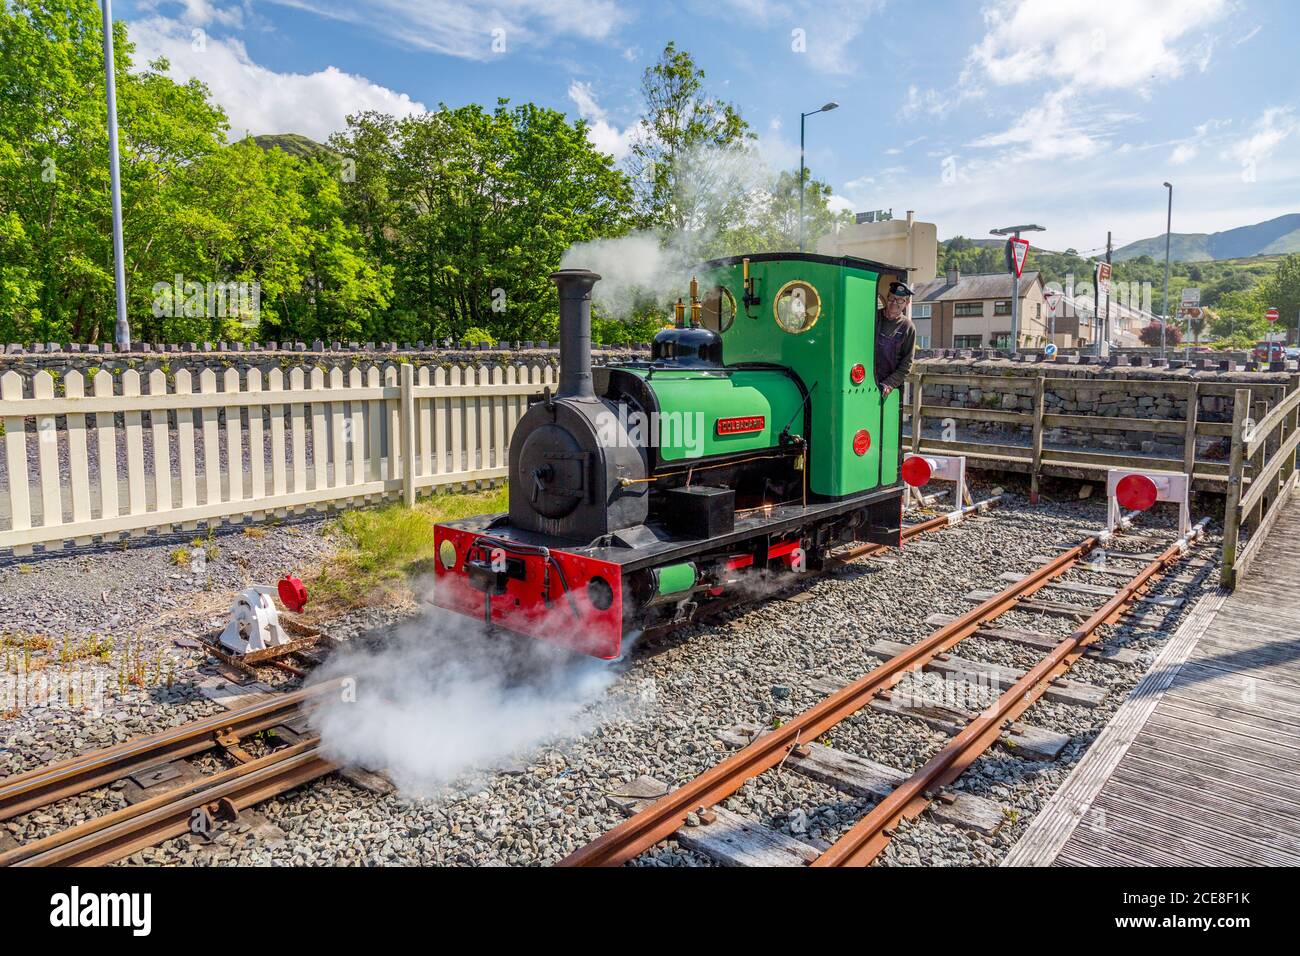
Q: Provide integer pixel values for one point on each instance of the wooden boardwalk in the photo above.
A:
(1201, 765)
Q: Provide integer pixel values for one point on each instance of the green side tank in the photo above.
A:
(704, 412)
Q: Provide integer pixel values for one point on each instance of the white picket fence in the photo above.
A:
(258, 445)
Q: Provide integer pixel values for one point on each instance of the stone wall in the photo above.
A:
(1106, 396)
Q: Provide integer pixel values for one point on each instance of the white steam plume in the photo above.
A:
(441, 698)
(717, 191)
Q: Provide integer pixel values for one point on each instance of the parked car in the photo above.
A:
(1293, 351)
(1270, 351)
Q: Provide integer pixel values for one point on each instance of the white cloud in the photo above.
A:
(468, 28)
(1274, 125)
(1057, 128)
(258, 100)
(1099, 44)
(1183, 153)
(604, 135)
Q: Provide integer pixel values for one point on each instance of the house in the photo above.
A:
(974, 312)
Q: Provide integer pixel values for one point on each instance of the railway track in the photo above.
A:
(200, 805)
(900, 796)
(192, 807)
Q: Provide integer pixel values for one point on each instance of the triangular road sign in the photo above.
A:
(1019, 252)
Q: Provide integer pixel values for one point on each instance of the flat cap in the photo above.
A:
(900, 288)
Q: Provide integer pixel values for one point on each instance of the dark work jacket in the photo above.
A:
(895, 342)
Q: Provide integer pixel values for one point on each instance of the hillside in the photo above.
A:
(1273, 237)
(293, 144)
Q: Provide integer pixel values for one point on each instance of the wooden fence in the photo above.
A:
(256, 445)
(1258, 475)
(1036, 460)
(1262, 476)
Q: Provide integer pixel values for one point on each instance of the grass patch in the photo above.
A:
(181, 557)
(252, 531)
(381, 549)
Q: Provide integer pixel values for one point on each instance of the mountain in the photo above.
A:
(1276, 236)
(293, 144)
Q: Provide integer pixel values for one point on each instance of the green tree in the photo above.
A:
(473, 210)
(689, 149)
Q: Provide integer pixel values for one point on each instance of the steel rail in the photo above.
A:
(119, 834)
(45, 785)
(662, 818)
(862, 843)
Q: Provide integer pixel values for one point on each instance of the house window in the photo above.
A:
(1002, 340)
(967, 341)
(968, 309)
(921, 310)
(1002, 307)
(923, 341)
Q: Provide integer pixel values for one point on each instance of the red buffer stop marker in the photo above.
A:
(1136, 492)
(916, 471)
(293, 594)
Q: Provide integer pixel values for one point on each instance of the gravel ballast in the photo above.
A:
(662, 712)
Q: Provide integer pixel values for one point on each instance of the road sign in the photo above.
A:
(1103, 278)
(1271, 315)
(1049, 350)
(1191, 298)
(1019, 249)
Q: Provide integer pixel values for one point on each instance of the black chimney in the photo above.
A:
(575, 286)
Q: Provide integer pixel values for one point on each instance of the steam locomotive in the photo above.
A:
(752, 443)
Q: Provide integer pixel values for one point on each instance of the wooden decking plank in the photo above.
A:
(1139, 768)
(1249, 846)
(1179, 726)
(1267, 702)
(1194, 852)
(1176, 800)
(1168, 755)
(1283, 675)
(1189, 715)
(1260, 655)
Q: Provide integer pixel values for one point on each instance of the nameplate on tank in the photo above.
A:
(742, 425)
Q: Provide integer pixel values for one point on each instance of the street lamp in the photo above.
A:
(122, 334)
(1015, 231)
(803, 116)
(1169, 222)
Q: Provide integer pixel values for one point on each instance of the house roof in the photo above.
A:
(995, 285)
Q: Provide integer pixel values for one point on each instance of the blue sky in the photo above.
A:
(1069, 113)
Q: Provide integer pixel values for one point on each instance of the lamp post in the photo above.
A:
(122, 334)
(1014, 232)
(803, 116)
(1164, 311)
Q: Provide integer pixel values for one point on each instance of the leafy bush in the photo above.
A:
(1151, 334)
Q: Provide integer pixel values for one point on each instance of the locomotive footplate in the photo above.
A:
(585, 596)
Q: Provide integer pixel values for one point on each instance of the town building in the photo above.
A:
(974, 311)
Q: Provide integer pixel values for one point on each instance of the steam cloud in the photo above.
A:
(442, 698)
(713, 187)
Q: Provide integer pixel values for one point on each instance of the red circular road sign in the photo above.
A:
(1136, 492)
(916, 471)
(1271, 315)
